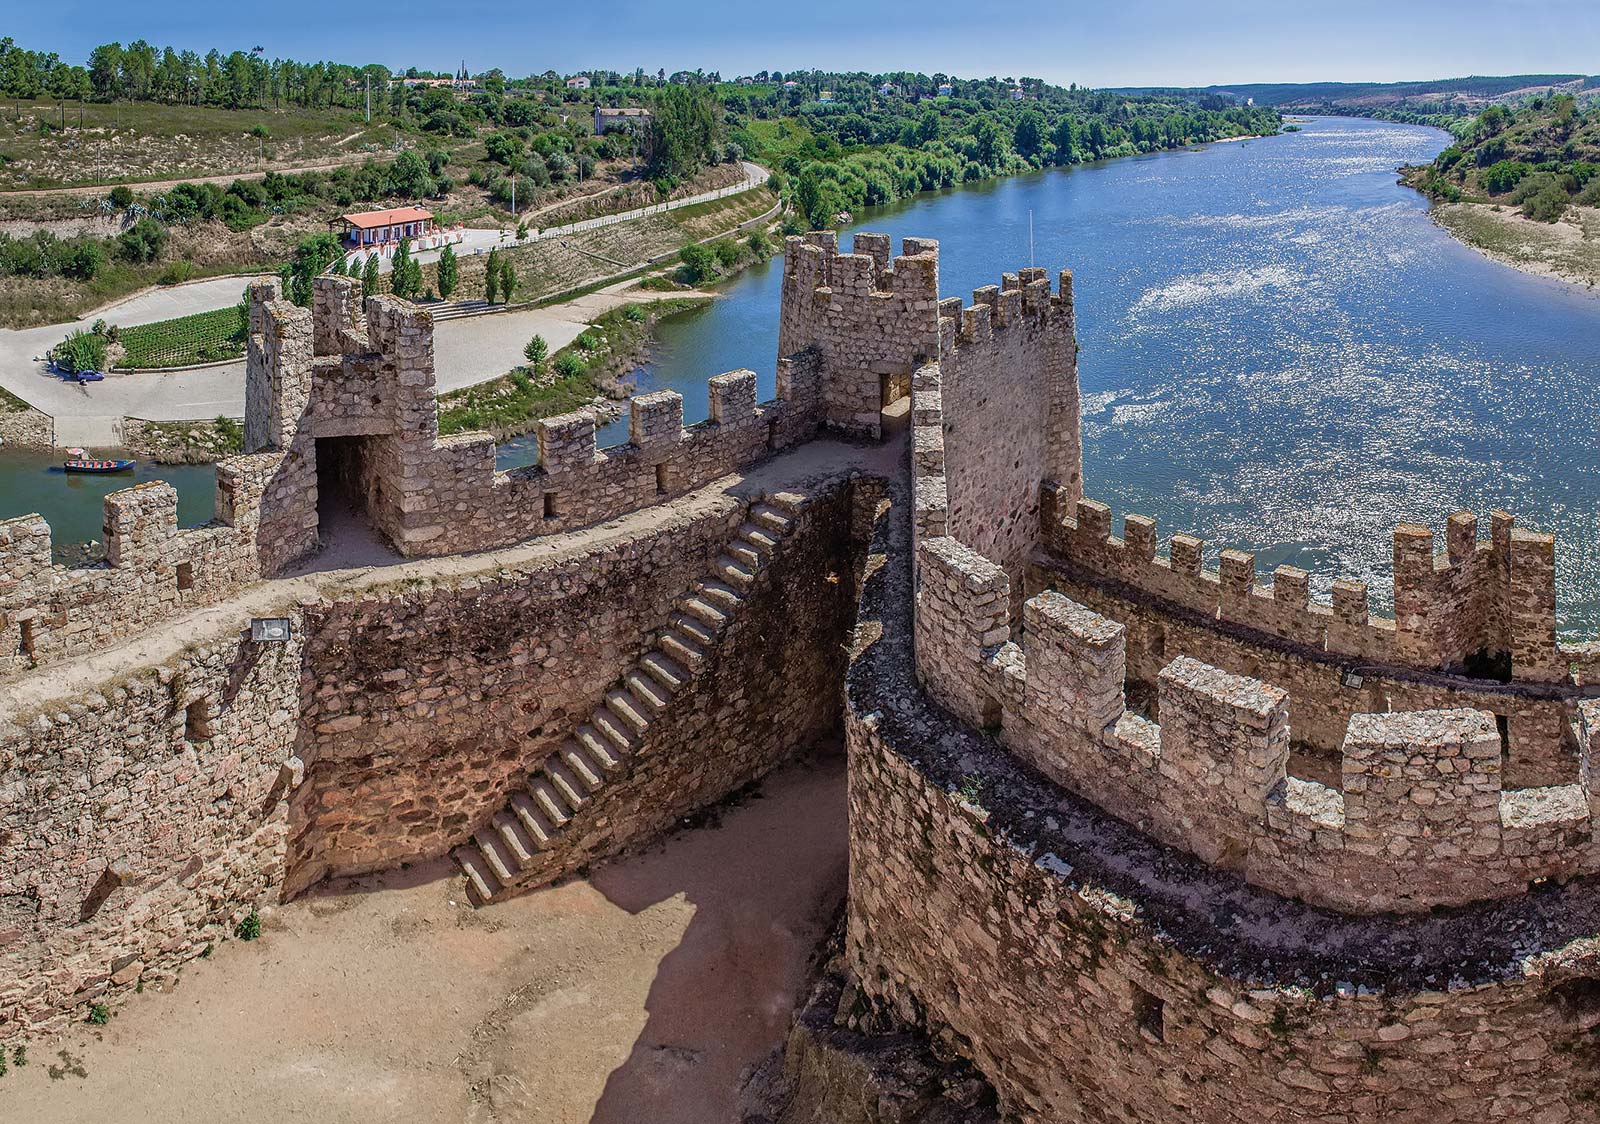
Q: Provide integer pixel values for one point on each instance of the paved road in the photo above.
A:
(466, 351)
(478, 240)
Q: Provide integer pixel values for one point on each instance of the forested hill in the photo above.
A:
(1542, 157)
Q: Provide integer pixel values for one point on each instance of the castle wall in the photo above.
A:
(1475, 599)
(870, 321)
(1419, 817)
(1095, 975)
(1007, 372)
(1540, 747)
(139, 824)
(426, 706)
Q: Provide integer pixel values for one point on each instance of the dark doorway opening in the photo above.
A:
(894, 403)
(349, 492)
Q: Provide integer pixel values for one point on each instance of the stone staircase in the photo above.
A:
(455, 310)
(507, 850)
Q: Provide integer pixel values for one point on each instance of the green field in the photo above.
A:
(203, 337)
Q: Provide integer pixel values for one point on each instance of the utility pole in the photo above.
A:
(369, 99)
(513, 193)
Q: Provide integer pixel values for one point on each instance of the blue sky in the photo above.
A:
(1106, 43)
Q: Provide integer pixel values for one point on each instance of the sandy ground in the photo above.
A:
(1567, 250)
(643, 993)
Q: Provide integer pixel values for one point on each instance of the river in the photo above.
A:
(1280, 351)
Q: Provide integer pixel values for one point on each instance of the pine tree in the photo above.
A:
(491, 277)
(508, 278)
(400, 278)
(448, 273)
(369, 277)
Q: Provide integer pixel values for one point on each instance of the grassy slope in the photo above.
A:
(132, 141)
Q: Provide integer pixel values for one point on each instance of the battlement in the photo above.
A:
(1421, 818)
(1478, 597)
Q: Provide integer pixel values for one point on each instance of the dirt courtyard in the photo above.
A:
(641, 994)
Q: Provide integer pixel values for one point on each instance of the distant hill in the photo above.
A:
(1443, 97)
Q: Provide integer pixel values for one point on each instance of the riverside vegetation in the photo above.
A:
(1522, 183)
(837, 142)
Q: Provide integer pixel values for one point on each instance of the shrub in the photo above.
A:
(143, 241)
(176, 273)
(99, 1015)
(727, 253)
(81, 351)
(699, 263)
(536, 351)
(587, 341)
(568, 365)
(250, 928)
(1548, 205)
(121, 197)
(634, 313)
(521, 381)
(1504, 175)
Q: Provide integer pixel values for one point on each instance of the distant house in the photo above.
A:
(888, 90)
(747, 81)
(606, 119)
(1015, 93)
(381, 228)
(826, 95)
(945, 90)
(791, 84)
(412, 83)
(581, 82)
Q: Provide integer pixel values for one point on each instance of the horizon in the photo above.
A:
(1147, 43)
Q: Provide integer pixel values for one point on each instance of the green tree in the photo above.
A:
(400, 276)
(536, 352)
(1028, 137)
(369, 277)
(311, 257)
(699, 263)
(408, 176)
(685, 124)
(491, 277)
(508, 278)
(449, 272)
(989, 143)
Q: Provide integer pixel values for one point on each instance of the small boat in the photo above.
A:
(99, 467)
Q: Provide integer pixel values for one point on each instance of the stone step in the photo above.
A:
(501, 866)
(535, 825)
(479, 877)
(598, 748)
(734, 572)
(614, 729)
(745, 554)
(634, 714)
(573, 757)
(759, 537)
(522, 850)
(723, 596)
(771, 518)
(695, 628)
(682, 650)
(648, 689)
(569, 786)
(664, 670)
(702, 610)
(788, 502)
(548, 800)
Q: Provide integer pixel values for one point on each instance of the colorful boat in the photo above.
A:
(98, 466)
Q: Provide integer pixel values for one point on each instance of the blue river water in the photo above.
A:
(1280, 350)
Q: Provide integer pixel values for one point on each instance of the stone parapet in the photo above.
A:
(1420, 819)
(1456, 610)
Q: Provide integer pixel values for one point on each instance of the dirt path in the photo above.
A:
(167, 185)
(643, 993)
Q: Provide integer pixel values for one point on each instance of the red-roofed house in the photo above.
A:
(382, 228)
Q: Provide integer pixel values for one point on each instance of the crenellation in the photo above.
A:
(1420, 817)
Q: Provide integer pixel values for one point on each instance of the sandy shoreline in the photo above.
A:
(1567, 251)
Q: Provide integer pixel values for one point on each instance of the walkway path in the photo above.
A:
(478, 240)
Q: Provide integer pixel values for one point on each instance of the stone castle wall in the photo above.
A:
(1420, 816)
(426, 706)
(139, 823)
(1094, 974)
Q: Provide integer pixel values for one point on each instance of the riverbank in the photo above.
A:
(1567, 250)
